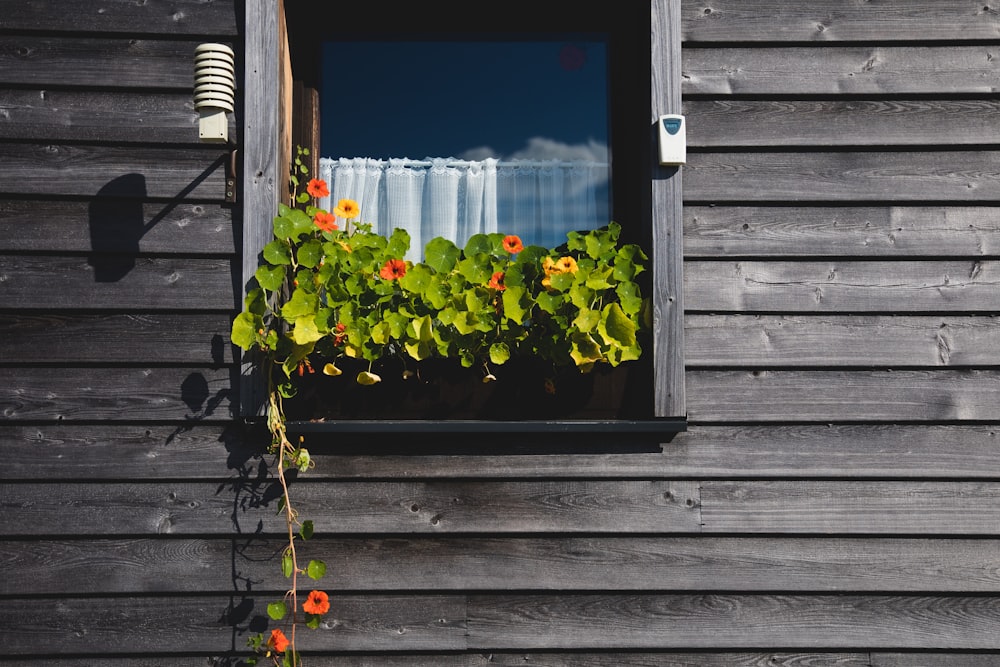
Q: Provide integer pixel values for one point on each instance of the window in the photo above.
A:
(468, 134)
(644, 197)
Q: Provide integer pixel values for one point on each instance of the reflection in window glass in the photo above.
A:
(452, 138)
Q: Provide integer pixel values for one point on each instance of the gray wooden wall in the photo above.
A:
(835, 501)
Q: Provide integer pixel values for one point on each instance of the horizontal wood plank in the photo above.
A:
(824, 450)
(835, 450)
(838, 70)
(879, 122)
(132, 394)
(116, 281)
(940, 507)
(800, 231)
(849, 177)
(102, 627)
(134, 452)
(946, 508)
(833, 340)
(114, 171)
(576, 659)
(853, 396)
(116, 226)
(715, 621)
(198, 339)
(379, 507)
(90, 61)
(826, 286)
(94, 627)
(221, 451)
(176, 17)
(72, 115)
(180, 565)
(835, 20)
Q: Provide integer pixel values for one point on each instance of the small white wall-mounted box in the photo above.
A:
(673, 139)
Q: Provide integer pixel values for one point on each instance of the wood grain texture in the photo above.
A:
(716, 621)
(750, 451)
(946, 508)
(114, 171)
(193, 339)
(839, 70)
(835, 20)
(850, 177)
(857, 231)
(99, 627)
(873, 122)
(116, 226)
(176, 17)
(542, 659)
(206, 508)
(141, 394)
(666, 218)
(829, 450)
(108, 281)
(488, 622)
(221, 565)
(221, 451)
(90, 61)
(261, 181)
(827, 286)
(105, 451)
(832, 396)
(578, 659)
(72, 115)
(833, 340)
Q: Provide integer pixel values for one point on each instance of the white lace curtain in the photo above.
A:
(537, 200)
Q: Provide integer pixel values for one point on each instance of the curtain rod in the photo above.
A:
(407, 162)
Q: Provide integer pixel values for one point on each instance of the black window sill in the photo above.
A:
(641, 426)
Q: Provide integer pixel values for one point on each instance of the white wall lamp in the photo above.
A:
(214, 97)
(214, 90)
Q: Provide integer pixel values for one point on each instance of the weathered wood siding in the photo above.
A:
(835, 500)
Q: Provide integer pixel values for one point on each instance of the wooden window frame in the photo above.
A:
(266, 143)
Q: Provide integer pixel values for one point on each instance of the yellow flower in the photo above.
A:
(566, 265)
(347, 208)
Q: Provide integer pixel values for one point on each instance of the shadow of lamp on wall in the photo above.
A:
(116, 223)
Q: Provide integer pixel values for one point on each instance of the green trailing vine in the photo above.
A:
(329, 288)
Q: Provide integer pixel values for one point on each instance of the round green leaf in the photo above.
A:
(244, 331)
(277, 252)
(499, 353)
(306, 531)
(441, 255)
(277, 610)
(309, 253)
(270, 277)
(316, 569)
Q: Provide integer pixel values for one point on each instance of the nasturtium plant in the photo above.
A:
(330, 288)
(334, 289)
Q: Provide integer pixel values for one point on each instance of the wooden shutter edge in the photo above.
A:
(667, 218)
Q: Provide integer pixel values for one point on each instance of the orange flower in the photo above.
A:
(496, 281)
(325, 221)
(317, 188)
(512, 244)
(347, 208)
(317, 603)
(278, 641)
(393, 269)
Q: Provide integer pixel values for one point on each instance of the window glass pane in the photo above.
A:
(460, 137)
